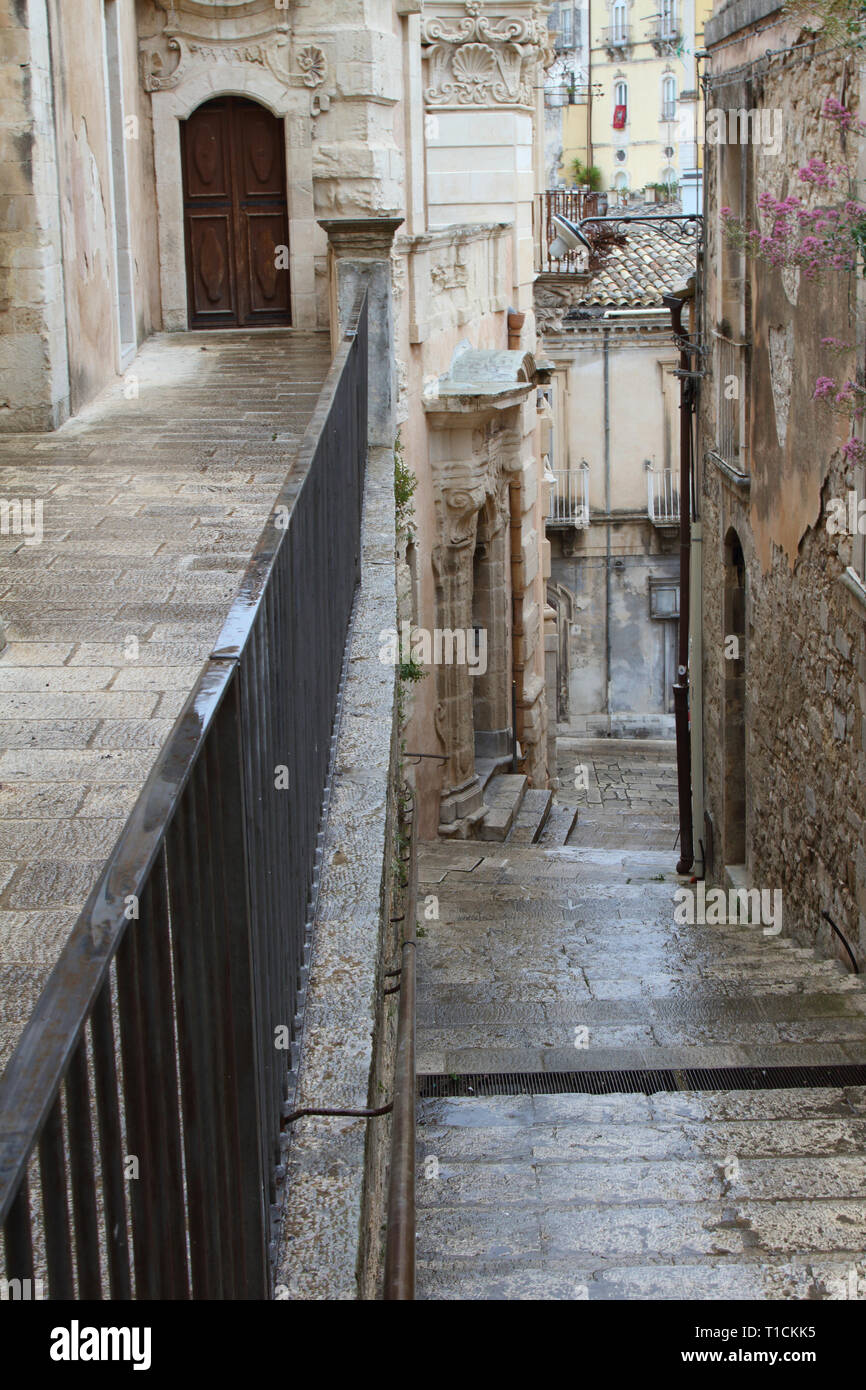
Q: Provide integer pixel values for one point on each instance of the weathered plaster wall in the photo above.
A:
(805, 648)
(637, 642)
(631, 366)
(642, 415)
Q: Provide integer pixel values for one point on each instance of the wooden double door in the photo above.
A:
(236, 219)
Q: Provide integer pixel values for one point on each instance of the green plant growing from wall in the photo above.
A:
(405, 484)
(841, 22)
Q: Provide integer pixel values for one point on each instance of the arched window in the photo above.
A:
(619, 21)
(620, 182)
(669, 97)
(620, 105)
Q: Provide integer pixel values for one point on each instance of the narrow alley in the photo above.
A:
(550, 961)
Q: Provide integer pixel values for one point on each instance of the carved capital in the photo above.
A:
(461, 508)
(479, 61)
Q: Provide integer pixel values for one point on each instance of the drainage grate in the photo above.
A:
(648, 1082)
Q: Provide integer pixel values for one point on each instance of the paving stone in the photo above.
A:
(152, 509)
(708, 1195)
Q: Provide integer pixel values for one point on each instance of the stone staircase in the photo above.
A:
(694, 1195)
(567, 959)
(519, 814)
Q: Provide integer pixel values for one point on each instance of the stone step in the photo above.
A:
(488, 768)
(532, 817)
(435, 1060)
(688, 1195)
(558, 826)
(502, 800)
(548, 1280)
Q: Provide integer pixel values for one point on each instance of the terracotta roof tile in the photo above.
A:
(637, 274)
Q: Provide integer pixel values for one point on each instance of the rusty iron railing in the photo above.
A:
(573, 203)
(143, 1099)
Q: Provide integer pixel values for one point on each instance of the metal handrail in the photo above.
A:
(200, 909)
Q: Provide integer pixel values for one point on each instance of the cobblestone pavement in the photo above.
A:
(631, 798)
(569, 959)
(151, 506)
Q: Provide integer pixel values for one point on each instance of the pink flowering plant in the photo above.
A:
(831, 237)
(794, 232)
(817, 240)
(845, 398)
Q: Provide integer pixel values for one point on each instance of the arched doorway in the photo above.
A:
(236, 221)
(734, 685)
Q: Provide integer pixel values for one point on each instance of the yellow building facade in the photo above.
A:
(641, 124)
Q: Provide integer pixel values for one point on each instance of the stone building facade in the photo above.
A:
(783, 622)
(177, 164)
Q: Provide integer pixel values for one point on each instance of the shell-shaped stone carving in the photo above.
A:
(475, 63)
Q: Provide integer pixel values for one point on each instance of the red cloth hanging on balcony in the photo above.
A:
(619, 117)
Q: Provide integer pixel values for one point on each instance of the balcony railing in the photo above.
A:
(569, 498)
(617, 37)
(574, 204)
(165, 1023)
(663, 496)
(664, 33)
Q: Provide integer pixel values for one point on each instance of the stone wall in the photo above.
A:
(33, 366)
(60, 337)
(784, 726)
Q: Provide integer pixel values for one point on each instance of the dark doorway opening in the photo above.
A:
(236, 219)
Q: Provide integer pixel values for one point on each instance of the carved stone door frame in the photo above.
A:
(177, 103)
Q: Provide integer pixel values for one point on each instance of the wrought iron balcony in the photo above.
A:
(617, 38)
(569, 499)
(575, 204)
(663, 496)
(665, 33)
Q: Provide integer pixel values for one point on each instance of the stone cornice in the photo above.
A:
(361, 238)
(458, 234)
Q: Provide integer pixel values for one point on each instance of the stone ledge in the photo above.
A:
(329, 1232)
(854, 584)
(740, 14)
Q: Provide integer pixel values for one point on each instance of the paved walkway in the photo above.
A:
(566, 960)
(151, 505)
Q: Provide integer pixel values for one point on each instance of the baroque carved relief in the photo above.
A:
(169, 60)
(313, 64)
(478, 61)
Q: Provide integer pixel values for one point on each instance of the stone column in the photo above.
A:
(462, 801)
(360, 252)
